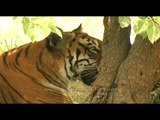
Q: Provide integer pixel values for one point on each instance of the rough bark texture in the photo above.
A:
(127, 75)
(115, 49)
(138, 73)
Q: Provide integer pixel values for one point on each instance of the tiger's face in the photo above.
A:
(82, 54)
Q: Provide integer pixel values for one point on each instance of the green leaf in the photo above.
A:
(142, 17)
(14, 18)
(36, 32)
(153, 32)
(124, 21)
(141, 26)
(157, 19)
(37, 27)
(31, 33)
(44, 21)
(23, 30)
(147, 26)
(26, 23)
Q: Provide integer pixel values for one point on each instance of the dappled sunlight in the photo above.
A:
(92, 25)
(12, 33)
(10, 29)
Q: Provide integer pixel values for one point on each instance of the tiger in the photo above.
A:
(40, 72)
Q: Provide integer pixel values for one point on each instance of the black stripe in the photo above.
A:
(70, 57)
(81, 61)
(93, 42)
(27, 50)
(46, 76)
(8, 95)
(12, 67)
(14, 89)
(4, 97)
(12, 50)
(83, 46)
(78, 52)
(40, 56)
(60, 80)
(12, 97)
(87, 49)
(17, 56)
(50, 79)
(65, 67)
(4, 59)
(89, 78)
(42, 102)
(70, 44)
(34, 80)
(89, 44)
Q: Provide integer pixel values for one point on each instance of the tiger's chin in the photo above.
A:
(88, 76)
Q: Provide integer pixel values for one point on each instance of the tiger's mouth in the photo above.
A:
(88, 76)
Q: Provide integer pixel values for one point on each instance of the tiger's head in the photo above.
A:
(81, 53)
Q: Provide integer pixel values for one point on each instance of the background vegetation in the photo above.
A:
(15, 31)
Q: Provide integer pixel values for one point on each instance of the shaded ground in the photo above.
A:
(79, 92)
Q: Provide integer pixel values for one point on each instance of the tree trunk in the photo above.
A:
(138, 74)
(115, 50)
(126, 74)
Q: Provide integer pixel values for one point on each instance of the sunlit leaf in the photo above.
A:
(36, 32)
(25, 22)
(37, 27)
(124, 21)
(153, 32)
(14, 18)
(142, 17)
(148, 27)
(157, 19)
(141, 26)
(44, 21)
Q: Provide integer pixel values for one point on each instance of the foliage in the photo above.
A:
(29, 29)
(15, 31)
(37, 26)
(145, 26)
(20, 30)
(124, 21)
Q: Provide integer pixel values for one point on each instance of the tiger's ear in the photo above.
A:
(79, 29)
(53, 40)
(62, 32)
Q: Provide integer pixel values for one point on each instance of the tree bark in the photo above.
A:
(116, 45)
(126, 75)
(138, 73)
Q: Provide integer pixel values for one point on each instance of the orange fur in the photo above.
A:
(34, 74)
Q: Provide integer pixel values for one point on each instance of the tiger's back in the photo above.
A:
(40, 72)
(21, 78)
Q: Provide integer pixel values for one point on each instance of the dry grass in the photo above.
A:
(79, 92)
